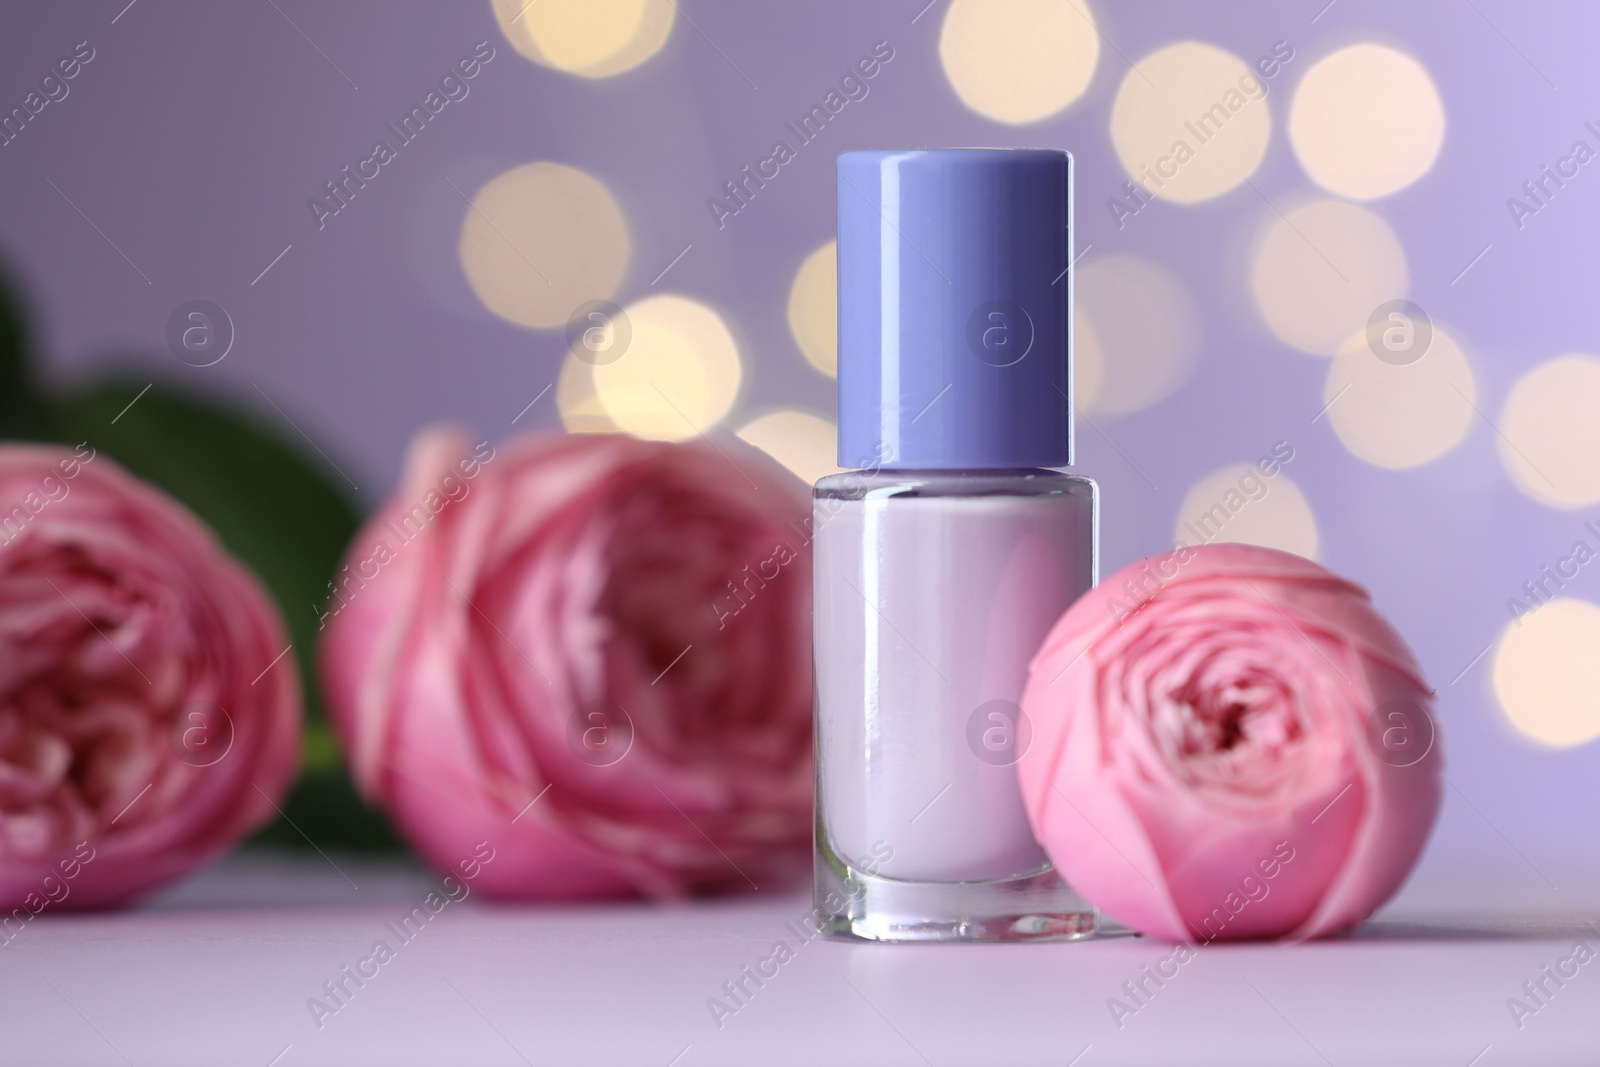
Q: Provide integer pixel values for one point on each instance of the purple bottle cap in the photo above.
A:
(955, 309)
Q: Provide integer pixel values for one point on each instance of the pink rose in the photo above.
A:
(1230, 742)
(139, 736)
(592, 652)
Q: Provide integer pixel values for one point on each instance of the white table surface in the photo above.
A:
(219, 970)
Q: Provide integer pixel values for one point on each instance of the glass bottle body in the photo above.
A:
(933, 591)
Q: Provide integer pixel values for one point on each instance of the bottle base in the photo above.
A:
(1035, 906)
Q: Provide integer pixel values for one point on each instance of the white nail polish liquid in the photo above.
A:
(917, 695)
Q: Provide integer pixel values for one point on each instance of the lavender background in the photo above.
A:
(196, 135)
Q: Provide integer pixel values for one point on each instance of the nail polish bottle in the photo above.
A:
(945, 555)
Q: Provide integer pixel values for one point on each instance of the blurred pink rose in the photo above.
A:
(591, 651)
(1230, 742)
(138, 734)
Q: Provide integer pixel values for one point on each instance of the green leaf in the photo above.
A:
(16, 372)
(325, 810)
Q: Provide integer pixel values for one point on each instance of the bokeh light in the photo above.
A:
(578, 403)
(1322, 269)
(814, 308)
(1138, 334)
(1366, 121)
(1547, 675)
(807, 444)
(592, 38)
(541, 239)
(1401, 416)
(1087, 370)
(1190, 122)
(1239, 504)
(1551, 432)
(678, 377)
(1018, 61)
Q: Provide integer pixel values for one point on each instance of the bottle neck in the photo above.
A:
(1025, 481)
